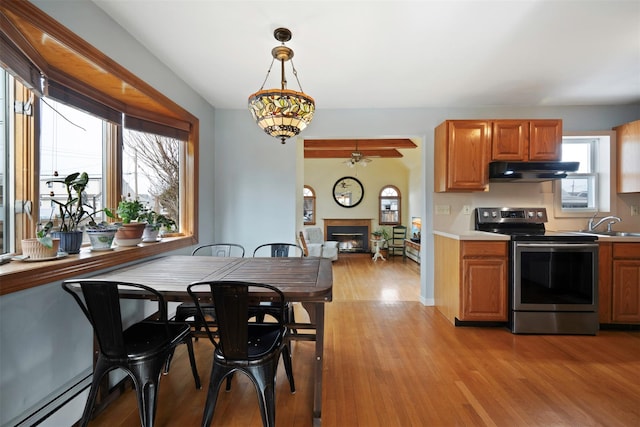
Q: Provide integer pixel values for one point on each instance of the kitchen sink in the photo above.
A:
(611, 233)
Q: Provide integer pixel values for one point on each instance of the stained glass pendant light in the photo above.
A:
(282, 113)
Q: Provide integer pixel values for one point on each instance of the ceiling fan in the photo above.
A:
(357, 158)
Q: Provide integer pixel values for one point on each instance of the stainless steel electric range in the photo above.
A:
(553, 277)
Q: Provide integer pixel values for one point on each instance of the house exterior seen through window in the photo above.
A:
(588, 190)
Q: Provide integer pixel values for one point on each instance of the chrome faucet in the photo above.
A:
(612, 220)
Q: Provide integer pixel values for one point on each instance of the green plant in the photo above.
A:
(382, 232)
(74, 211)
(43, 235)
(130, 210)
(156, 220)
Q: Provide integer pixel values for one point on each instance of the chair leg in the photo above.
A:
(99, 371)
(288, 367)
(264, 378)
(192, 360)
(218, 374)
(167, 364)
(147, 379)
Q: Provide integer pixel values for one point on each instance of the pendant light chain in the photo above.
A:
(268, 72)
(295, 73)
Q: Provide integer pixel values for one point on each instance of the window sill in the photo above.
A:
(17, 276)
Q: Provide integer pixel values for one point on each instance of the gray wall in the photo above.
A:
(248, 194)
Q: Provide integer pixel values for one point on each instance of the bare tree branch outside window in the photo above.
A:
(156, 158)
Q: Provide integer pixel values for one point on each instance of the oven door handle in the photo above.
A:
(558, 245)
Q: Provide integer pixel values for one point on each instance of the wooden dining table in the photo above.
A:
(305, 280)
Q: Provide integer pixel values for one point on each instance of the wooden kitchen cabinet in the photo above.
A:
(628, 147)
(619, 282)
(471, 280)
(464, 148)
(462, 153)
(526, 140)
(484, 281)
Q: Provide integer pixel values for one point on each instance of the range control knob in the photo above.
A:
(540, 215)
(485, 214)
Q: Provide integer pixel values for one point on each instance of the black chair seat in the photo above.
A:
(145, 338)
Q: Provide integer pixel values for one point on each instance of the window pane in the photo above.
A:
(578, 192)
(579, 188)
(151, 171)
(71, 141)
(578, 152)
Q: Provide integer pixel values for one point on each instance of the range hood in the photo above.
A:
(530, 171)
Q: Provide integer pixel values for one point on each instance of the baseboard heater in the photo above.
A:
(54, 401)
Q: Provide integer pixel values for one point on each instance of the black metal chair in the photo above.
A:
(278, 250)
(187, 310)
(252, 348)
(396, 243)
(220, 250)
(141, 349)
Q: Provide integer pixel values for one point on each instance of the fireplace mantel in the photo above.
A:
(364, 222)
(364, 225)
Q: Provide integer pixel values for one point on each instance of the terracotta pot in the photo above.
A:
(130, 234)
(130, 231)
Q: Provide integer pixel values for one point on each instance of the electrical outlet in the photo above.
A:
(466, 210)
(635, 210)
(443, 210)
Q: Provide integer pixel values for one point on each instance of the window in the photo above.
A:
(588, 190)
(71, 140)
(389, 206)
(96, 101)
(309, 207)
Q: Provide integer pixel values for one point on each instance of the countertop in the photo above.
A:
(483, 235)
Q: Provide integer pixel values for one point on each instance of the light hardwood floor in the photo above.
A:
(390, 361)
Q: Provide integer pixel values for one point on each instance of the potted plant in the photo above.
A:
(154, 223)
(101, 235)
(382, 233)
(74, 212)
(43, 246)
(130, 211)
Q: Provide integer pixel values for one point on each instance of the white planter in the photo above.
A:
(101, 240)
(150, 235)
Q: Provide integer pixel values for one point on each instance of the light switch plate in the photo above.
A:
(466, 210)
(635, 210)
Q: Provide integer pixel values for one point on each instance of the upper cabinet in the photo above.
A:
(526, 140)
(464, 148)
(462, 153)
(628, 141)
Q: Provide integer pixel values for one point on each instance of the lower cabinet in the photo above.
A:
(471, 280)
(619, 282)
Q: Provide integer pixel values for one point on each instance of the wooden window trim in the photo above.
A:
(398, 198)
(313, 198)
(64, 58)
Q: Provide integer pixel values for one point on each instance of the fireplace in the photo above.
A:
(352, 235)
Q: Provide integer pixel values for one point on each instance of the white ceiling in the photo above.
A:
(399, 54)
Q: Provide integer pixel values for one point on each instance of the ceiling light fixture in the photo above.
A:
(357, 158)
(282, 113)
